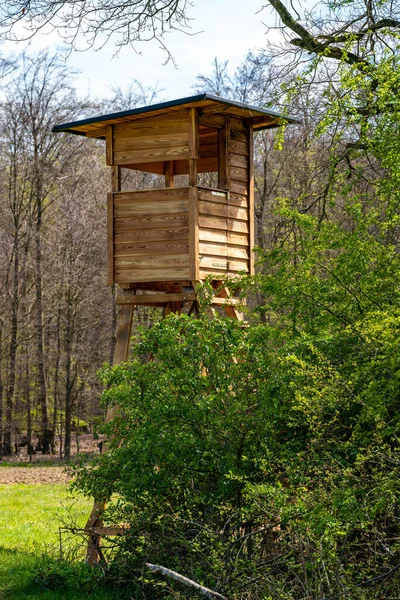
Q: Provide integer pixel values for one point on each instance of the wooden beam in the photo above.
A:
(149, 299)
(194, 259)
(109, 145)
(193, 145)
(105, 530)
(228, 301)
(251, 200)
(121, 351)
(123, 335)
(116, 178)
(110, 238)
(169, 173)
(223, 156)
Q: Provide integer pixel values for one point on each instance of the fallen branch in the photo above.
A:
(185, 581)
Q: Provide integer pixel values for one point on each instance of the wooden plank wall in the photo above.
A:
(150, 140)
(223, 233)
(225, 227)
(151, 235)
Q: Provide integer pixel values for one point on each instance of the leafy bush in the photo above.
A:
(256, 465)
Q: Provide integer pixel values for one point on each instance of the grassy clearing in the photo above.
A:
(30, 518)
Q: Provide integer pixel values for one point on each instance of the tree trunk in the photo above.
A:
(46, 432)
(14, 319)
(1, 391)
(68, 382)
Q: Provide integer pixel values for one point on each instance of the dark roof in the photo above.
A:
(263, 118)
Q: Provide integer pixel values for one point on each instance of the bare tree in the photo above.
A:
(97, 22)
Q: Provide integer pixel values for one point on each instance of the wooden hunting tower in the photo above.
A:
(169, 237)
(163, 240)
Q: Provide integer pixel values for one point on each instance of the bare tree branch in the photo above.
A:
(185, 581)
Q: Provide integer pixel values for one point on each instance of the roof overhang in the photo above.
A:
(261, 118)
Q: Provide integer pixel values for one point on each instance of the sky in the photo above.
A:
(226, 29)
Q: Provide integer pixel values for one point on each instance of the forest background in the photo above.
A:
(277, 475)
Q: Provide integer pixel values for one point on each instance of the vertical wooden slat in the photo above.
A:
(116, 178)
(169, 173)
(116, 187)
(123, 334)
(122, 344)
(223, 156)
(94, 554)
(109, 145)
(251, 199)
(193, 144)
(193, 234)
(110, 238)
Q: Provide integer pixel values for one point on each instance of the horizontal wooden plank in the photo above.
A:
(222, 210)
(151, 235)
(208, 151)
(96, 133)
(237, 147)
(222, 264)
(151, 155)
(238, 160)
(213, 249)
(233, 199)
(213, 208)
(238, 226)
(213, 195)
(204, 273)
(105, 530)
(239, 135)
(207, 137)
(212, 120)
(204, 165)
(213, 262)
(223, 237)
(153, 194)
(239, 187)
(211, 222)
(238, 265)
(237, 239)
(150, 222)
(238, 200)
(151, 207)
(168, 120)
(238, 124)
(144, 142)
(153, 167)
(150, 299)
(155, 274)
(140, 248)
(239, 173)
(162, 286)
(213, 235)
(149, 261)
(224, 301)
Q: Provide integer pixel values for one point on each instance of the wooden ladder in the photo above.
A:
(184, 302)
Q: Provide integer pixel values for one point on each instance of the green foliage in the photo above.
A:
(255, 465)
(263, 461)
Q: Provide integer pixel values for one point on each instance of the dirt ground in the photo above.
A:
(33, 475)
(43, 468)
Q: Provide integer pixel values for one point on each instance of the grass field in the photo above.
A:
(30, 569)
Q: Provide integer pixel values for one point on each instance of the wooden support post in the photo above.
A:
(115, 187)
(93, 555)
(109, 145)
(223, 156)
(169, 173)
(193, 145)
(251, 199)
